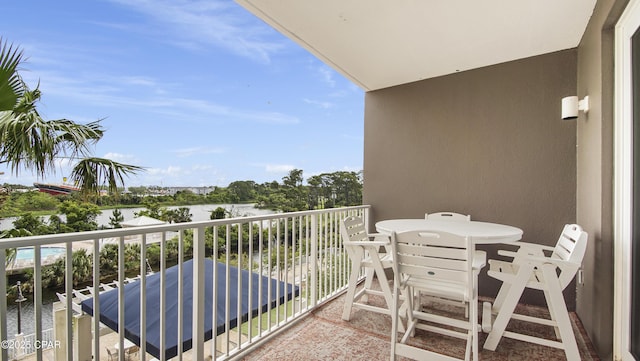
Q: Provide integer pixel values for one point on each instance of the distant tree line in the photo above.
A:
(326, 190)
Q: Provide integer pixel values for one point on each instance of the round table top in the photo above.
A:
(480, 232)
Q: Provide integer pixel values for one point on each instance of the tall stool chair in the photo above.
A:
(364, 252)
(532, 268)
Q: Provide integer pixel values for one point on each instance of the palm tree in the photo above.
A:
(27, 141)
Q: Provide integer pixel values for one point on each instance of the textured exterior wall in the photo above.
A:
(594, 198)
(487, 142)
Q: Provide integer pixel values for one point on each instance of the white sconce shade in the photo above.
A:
(571, 105)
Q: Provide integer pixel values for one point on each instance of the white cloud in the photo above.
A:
(202, 23)
(326, 74)
(110, 91)
(167, 171)
(321, 104)
(278, 168)
(121, 158)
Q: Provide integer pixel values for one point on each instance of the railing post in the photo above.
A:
(68, 285)
(4, 351)
(314, 258)
(37, 297)
(198, 293)
(366, 219)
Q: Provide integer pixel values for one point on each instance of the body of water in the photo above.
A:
(200, 212)
(27, 253)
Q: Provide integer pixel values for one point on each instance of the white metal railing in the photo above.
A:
(21, 346)
(299, 248)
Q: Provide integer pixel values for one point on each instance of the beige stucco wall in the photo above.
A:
(487, 142)
(595, 174)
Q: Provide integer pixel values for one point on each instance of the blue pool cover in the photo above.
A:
(260, 301)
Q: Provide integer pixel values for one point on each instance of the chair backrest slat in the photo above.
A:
(435, 274)
(433, 255)
(429, 263)
(352, 229)
(571, 247)
(564, 247)
(428, 252)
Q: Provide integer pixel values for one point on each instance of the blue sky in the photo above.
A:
(198, 92)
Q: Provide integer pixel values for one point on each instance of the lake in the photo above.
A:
(200, 212)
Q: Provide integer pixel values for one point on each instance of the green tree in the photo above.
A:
(294, 192)
(179, 215)
(32, 224)
(242, 191)
(218, 213)
(82, 264)
(36, 201)
(153, 208)
(56, 225)
(27, 141)
(138, 190)
(186, 197)
(219, 195)
(116, 218)
(109, 259)
(80, 216)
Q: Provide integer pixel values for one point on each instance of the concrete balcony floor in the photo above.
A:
(325, 336)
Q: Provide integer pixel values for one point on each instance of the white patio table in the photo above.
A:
(480, 232)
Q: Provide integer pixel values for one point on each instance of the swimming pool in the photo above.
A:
(27, 253)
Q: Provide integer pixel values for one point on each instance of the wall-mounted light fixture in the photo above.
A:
(571, 106)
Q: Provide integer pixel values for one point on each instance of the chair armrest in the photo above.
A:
(526, 249)
(544, 260)
(535, 246)
(378, 235)
(367, 243)
(506, 253)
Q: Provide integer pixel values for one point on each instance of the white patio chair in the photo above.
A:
(448, 216)
(113, 355)
(532, 268)
(480, 258)
(436, 263)
(363, 250)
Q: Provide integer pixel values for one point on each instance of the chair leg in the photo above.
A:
(394, 323)
(408, 305)
(508, 306)
(378, 269)
(351, 292)
(368, 281)
(559, 309)
(473, 314)
(499, 300)
(552, 314)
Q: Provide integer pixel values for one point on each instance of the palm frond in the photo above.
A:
(27, 140)
(11, 84)
(91, 174)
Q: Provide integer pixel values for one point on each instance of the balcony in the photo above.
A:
(302, 250)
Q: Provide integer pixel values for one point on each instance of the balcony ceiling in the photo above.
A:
(382, 43)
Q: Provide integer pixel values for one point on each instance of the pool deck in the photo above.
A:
(21, 265)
